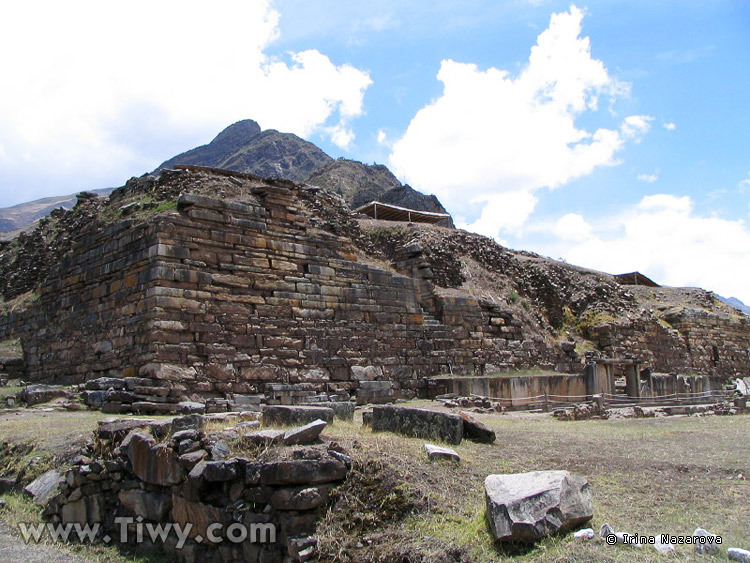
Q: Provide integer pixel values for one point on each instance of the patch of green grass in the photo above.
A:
(7, 391)
(168, 205)
(590, 319)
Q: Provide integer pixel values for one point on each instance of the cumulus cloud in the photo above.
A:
(572, 227)
(90, 88)
(666, 239)
(491, 133)
(648, 178)
(670, 126)
(509, 209)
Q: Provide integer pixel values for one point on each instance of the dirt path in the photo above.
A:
(13, 548)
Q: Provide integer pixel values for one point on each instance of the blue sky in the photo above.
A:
(612, 134)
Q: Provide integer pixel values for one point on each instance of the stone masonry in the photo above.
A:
(225, 296)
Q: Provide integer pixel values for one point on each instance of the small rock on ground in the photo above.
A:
(737, 554)
(437, 452)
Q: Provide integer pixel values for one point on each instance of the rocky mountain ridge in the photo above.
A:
(245, 147)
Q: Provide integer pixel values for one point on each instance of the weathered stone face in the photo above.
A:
(287, 415)
(148, 505)
(44, 487)
(525, 507)
(89, 509)
(153, 463)
(418, 423)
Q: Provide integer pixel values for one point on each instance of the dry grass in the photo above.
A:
(11, 348)
(649, 476)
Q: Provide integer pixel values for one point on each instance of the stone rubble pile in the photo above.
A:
(162, 471)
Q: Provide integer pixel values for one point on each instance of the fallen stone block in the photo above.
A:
(191, 407)
(663, 548)
(248, 425)
(737, 554)
(116, 430)
(36, 394)
(437, 452)
(343, 410)
(525, 507)
(94, 399)
(44, 487)
(306, 434)
(263, 438)
(105, 383)
(476, 431)
(706, 543)
(188, 422)
(585, 534)
(418, 423)
(287, 415)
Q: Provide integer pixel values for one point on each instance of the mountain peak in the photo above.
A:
(237, 132)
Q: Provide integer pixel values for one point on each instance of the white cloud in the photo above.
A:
(572, 227)
(507, 211)
(649, 178)
(663, 237)
(491, 133)
(670, 126)
(744, 185)
(635, 126)
(91, 88)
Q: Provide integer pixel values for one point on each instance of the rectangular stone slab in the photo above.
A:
(418, 423)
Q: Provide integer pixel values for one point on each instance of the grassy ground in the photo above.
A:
(648, 476)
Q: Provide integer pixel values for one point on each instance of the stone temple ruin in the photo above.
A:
(253, 296)
(229, 297)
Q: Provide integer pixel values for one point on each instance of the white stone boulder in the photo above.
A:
(525, 507)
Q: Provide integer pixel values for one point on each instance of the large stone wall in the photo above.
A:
(691, 342)
(90, 317)
(225, 296)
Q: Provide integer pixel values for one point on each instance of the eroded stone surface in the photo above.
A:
(418, 423)
(526, 507)
(437, 452)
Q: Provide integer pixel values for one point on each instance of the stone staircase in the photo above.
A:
(430, 320)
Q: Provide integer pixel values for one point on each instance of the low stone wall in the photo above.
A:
(12, 368)
(659, 384)
(515, 388)
(154, 473)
